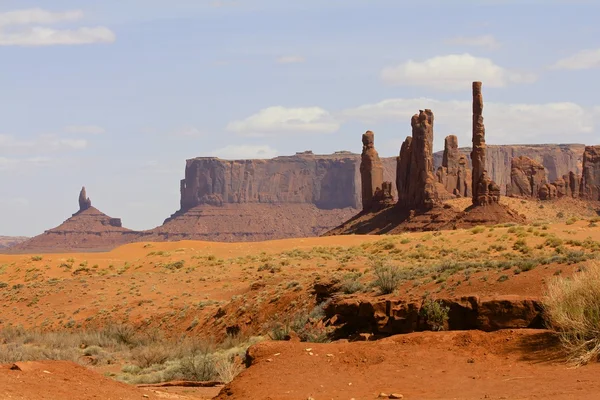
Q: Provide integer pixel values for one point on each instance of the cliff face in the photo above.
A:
(329, 182)
(557, 159)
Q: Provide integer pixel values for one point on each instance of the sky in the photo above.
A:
(115, 95)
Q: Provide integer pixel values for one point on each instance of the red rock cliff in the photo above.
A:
(327, 181)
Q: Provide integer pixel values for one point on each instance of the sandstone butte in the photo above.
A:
(307, 195)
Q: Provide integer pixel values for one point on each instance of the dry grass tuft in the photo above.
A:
(573, 309)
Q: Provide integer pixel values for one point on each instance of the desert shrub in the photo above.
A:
(309, 326)
(123, 334)
(351, 283)
(198, 364)
(434, 313)
(572, 308)
(553, 242)
(521, 245)
(146, 356)
(387, 278)
(226, 368)
(477, 230)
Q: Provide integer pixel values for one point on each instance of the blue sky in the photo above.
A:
(115, 95)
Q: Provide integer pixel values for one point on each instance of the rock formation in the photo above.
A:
(573, 184)
(415, 180)
(485, 190)
(87, 230)
(590, 179)
(527, 177)
(454, 174)
(84, 201)
(557, 159)
(371, 173)
(9, 241)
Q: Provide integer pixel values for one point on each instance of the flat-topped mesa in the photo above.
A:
(414, 173)
(84, 201)
(485, 190)
(527, 177)
(371, 173)
(590, 179)
(454, 174)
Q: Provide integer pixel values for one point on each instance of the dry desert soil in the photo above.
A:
(242, 295)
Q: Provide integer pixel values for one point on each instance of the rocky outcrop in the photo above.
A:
(454, 174)
(558, 160)
(527, 177)
(485, 190)
(86, 230)
(371, 174)
(590, 179)
(84, 201)
(415, 180)
(396, 316)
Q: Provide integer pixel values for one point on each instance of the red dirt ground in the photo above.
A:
(54, 380)
(471, 365)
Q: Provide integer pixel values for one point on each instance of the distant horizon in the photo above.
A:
(117, 95)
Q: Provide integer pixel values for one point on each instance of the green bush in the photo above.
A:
(387, 278)
(435, 314)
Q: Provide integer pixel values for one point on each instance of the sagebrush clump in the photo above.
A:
(572, 307)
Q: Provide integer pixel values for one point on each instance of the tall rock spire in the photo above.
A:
(84, 201)
(371, 171)
(485, 191)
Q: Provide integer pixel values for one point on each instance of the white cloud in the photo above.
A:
(85, 129)
(290, 60)
(585, 59)
(38, 16)
(238, 152)
(452, 72)
(277, 120)
(41, 144)
(188, 131)
(505, 123)
(10, 164)
(22, 28)
(485, 41)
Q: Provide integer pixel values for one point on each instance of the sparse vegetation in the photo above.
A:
(434, 313)
(387, 278)
(572, 306)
